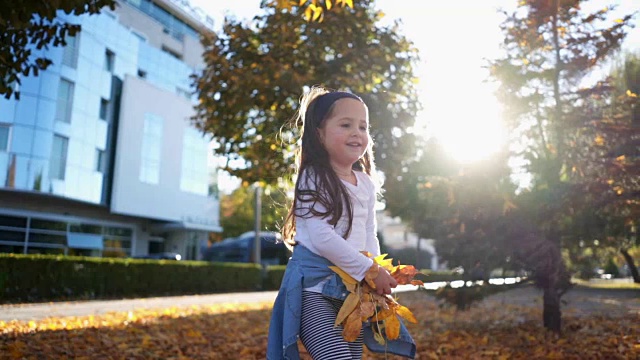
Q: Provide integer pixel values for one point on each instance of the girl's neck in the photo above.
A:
(347, 175)
(343, 172)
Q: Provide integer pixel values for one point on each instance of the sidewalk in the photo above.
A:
(38, 311)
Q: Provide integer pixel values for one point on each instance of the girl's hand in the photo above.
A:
(384, 281)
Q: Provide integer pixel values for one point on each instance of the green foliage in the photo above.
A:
(612, 268)
(36, 278)
(32, 24)
(256, 73)
(238, 210)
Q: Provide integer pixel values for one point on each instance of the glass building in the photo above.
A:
(98, 157)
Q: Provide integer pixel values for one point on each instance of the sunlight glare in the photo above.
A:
(469, 131)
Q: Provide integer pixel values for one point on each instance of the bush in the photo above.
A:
(35, 278)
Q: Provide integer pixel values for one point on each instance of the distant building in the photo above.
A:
(98, 157)
(397, 237)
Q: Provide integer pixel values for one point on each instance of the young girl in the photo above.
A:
(331, 221)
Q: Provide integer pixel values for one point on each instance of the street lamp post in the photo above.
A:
(257, 243)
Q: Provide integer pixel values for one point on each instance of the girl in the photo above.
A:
(331, 220)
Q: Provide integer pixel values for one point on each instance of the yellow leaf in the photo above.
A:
(379, 338)
(350, 287)
(328, 3)
(404, 312)
(317, 11)
(599, 140)
(384, 314)
(346, 278)
(385, 263)
(308, 13)
(348, 2)
(618, 21)
(631, 94)
(350, 303)
(392, 327)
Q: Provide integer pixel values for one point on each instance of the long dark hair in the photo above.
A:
(323, 186)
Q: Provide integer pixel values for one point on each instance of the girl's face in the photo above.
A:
(345, 133)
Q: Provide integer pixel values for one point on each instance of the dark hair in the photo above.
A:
(313, 166)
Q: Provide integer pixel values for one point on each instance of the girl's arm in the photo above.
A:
(332, 246)
(372, 244)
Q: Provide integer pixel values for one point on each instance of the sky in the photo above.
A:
(455, 40)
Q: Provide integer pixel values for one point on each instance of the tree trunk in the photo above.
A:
(551, 315)
(632, 265)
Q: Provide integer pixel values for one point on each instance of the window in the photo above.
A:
(70, 52)
(104, 109)
(58, 162)
(109, 60)
(194, 172)
(65, 101)
(172, 53)
(100, 165)
(4, 138)
(151, 149)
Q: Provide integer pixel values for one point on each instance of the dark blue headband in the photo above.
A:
(324, 102)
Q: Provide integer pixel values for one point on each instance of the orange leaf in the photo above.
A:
(350, 303)
(352, 327)
(404, 274)
(404, 312)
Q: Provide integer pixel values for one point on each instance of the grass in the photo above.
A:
(607, 284)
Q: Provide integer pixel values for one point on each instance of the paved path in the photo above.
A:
(26, 312)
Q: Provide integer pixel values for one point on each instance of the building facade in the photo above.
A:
(98, 157)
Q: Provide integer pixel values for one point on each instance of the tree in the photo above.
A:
(609, 121)
(238, 210)
(550, 47)
(314, 10)
(33, 24)
(255, 75)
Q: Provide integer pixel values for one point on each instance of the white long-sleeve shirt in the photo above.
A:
(316, 234)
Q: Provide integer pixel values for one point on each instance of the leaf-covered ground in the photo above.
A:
(507, 326)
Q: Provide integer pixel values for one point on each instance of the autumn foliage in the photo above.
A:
(364, 304)
(501, 327)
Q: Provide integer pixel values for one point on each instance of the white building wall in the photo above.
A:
(165, 200)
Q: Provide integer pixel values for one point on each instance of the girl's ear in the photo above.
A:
(320, 135)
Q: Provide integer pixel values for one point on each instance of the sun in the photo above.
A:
(469, 129)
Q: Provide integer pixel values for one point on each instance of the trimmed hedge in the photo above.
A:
(37, 278)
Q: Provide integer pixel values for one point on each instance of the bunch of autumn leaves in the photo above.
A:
(364, 304)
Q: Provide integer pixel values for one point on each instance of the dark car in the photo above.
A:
(240, 249)
(160, 256)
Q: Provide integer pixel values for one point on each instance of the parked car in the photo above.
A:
(240, 249)
(160, 256)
